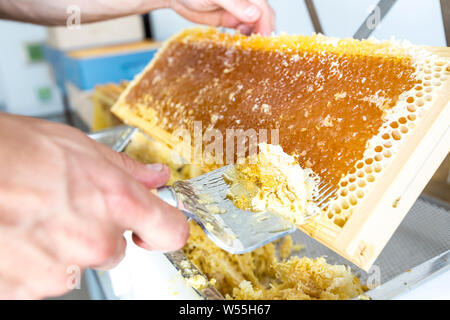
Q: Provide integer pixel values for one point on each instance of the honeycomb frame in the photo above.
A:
(379, 190)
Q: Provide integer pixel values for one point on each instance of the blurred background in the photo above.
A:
(45, 72)
(74, 75)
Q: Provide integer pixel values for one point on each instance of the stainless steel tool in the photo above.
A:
(204, 200)
(418, 250)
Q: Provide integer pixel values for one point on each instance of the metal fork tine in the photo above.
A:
(322, 191)
(322, 186)
(325, 196)
(326, 190)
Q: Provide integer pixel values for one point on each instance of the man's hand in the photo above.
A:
(248, 16)
(66, 201)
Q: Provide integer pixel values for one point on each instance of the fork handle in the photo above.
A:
(167, 194)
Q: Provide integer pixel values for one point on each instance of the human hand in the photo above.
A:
(248, 16)
(66, 201)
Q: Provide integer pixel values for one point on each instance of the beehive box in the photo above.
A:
(371, 118)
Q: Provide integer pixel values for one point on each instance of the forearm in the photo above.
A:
(55, 12)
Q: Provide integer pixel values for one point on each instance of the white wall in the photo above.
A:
(419, 21)
(20, 79)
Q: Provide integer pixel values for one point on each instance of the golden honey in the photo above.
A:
(326, 99)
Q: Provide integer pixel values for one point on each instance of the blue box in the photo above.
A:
(90, 67)
(55, 58)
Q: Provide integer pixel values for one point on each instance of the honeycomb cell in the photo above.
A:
(368, 169)
(377, 167)
(410, 99)
(336, 209)
(378, 148)
(340, 221)
(353, 201)
(396, 135)
(402, 120)
(387, 144)
(394, 124)
(436, 83)
(411, 108)
(345, 205)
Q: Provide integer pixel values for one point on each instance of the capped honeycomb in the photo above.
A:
(342, 107)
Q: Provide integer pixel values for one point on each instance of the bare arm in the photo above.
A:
(246, 15)
(53, 13)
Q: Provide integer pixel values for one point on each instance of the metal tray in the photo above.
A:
(419, 249)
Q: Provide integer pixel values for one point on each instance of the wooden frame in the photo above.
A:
(376, 218)
(370, 227)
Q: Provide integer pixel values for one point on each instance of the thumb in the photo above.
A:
(150, 175)
(133, 207)
(156, 224)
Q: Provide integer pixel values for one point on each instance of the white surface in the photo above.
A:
(148, 275)
(418, 21)
(436, 288)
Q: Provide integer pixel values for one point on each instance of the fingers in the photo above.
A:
(255, 16)
(266, 23)
(244, 10)
(115, 257)
(161, 226)
(150, 175)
